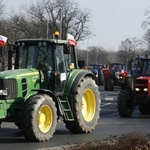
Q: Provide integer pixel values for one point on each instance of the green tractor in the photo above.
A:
(47, 85)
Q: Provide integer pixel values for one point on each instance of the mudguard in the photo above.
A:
(74, 79)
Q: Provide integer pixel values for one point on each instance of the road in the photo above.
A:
(110, 125)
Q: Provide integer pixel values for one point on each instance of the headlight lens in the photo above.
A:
(137, 89)
(145, 89)
(3, 92)
(141, 89)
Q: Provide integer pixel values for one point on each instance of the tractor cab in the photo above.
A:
(117, 68)
(52, 58)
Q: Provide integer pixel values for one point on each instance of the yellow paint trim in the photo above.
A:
(28, 74)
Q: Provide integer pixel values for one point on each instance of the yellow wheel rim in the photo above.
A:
(45, 118)
(88, 105)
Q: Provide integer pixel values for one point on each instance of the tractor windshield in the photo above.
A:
(31, 55)
(146, 68)
(118, 67)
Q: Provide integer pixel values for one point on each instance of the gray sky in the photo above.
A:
(112, 22)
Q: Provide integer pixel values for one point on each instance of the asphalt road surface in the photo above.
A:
(110, 125)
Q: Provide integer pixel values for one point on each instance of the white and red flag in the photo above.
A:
(3, 40)
(71, 40)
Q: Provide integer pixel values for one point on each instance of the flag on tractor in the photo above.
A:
(3, 40)
(71, 40)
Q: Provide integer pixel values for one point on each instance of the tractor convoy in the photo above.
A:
(45, 86)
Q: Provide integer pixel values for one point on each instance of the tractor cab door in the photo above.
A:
(60, 70)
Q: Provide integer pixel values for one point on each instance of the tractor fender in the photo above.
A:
(75, 79)
(45, 91)
(51, 94)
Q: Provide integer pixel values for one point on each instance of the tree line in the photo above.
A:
(128, 49)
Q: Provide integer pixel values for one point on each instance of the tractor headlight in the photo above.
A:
(119, 77)
(4, 92)
(145, 89)
(137, 89)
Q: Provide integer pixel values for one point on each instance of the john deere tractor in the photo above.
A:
(47, 85)
(137, 93)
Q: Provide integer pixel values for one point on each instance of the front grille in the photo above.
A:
(141, 81)
(11, 86)
(141, 84)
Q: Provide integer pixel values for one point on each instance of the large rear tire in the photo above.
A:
(39, 118)
(86, 106)
(125, 103)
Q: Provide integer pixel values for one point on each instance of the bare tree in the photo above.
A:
(3, 50)
(129, 48)
(146, 26)
(147, 39)
(45, 17)
(2, 8)
(146, 23)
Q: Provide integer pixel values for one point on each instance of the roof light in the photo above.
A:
(56, 34)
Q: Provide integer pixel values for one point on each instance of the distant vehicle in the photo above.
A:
(138, 92)
(114, 75)
(96, 69)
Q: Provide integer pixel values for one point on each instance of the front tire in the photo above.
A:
(110, 85)
(101, 80)
(86, 106)
(39, 118)
(105, 84)
(125, 103)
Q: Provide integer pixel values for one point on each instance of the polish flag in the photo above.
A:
(3, 40)
(71, 40)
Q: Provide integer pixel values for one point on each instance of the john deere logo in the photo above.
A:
(34, 78)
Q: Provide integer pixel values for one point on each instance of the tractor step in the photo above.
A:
(67, 112)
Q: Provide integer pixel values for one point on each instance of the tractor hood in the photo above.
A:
(144, 77)
(18, 73)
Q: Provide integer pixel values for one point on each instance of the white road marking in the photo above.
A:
(102, 105)
(109, 98)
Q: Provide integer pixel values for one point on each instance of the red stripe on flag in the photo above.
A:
(3, 40)
(71, 40)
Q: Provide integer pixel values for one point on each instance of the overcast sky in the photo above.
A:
(113, 20)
